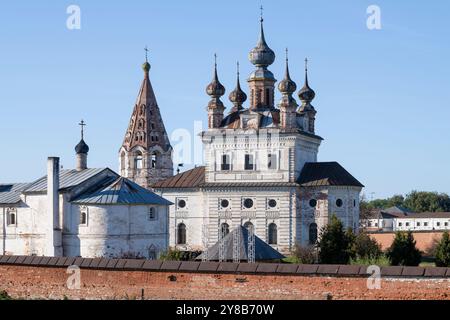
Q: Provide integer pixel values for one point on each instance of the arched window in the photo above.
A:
(248, 225)
(273, 233)
(154, 160)
(122, 160)
(268, 97)
(138, 161)
(312, 233)
(11, 217)
(83, 215)
(181, 233)
(224, 229)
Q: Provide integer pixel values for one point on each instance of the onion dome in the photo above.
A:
(306, 94)
(215, 89)
(261, 55)
(286, 85)
(237, 96)
(82, 147)
(146, 67)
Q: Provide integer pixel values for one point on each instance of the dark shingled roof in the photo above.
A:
(10, 193)
(326, 174)
(263, 251)
(427, 215)
(189, 179)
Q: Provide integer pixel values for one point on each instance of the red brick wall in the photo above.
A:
(425, 241)
(50, 282)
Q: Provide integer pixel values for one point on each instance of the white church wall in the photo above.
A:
(116, 230)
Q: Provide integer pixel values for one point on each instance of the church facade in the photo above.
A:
(261, 168)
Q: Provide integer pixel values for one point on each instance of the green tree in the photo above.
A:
(366, 248)
(334, 244)
(421, 201)
(442, 253)
(403, 250)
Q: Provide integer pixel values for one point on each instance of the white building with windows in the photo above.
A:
(401, 219)
(82, 212)
(261, 168)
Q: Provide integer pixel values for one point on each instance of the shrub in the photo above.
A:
(4, 295)
(178, 255)
(305, 254)
(403, 250)
(334, 244)
(442, 252)
(365, 248)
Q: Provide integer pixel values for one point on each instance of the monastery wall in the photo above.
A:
(44, 277)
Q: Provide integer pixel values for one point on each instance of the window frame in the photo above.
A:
(272, 234)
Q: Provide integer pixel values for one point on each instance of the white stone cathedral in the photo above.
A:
(261, 168)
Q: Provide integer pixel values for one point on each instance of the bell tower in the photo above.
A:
(146, 154)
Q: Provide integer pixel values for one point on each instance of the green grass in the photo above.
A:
(381, 261)
(291, 259)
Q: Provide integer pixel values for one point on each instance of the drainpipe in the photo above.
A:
(4, 231)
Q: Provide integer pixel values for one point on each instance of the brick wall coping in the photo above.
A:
(223, 267)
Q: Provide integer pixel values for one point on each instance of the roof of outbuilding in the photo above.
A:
(263, 251)
(427, 215)
(10, 193)
(120, 191)
(189, 179)
(67, 179)
(326, 174)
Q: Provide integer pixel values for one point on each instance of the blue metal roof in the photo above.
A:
(121, 191)
(263, 251)
(10, 193)
(67, 179)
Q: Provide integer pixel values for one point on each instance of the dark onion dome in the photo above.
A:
(306, 94)
(146, 67)
(82, 147)
(237, 96)
(215, 89)
(261, 55)
(287, 85)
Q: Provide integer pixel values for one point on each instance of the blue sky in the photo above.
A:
(382, 95)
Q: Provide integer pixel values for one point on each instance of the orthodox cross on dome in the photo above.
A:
(262, 12)
(82, 124)
(306, 64)
(146, 53)
(215, 60)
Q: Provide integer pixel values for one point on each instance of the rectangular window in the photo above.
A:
(152, 214)
(249, 165)
(399, 224)
(272, 161)
(425, 224)
(407, 224)
(438, 224)
(418, 224)
(446, 224)
(225, 166)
